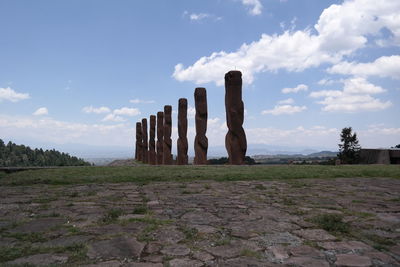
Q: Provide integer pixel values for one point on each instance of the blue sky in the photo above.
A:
(83, 72)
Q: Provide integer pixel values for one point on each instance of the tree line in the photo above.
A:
(23, 156)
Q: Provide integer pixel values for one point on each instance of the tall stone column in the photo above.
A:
(145, 148)
(182, 132)
(160, 137)
(200, 141)
(235, 140)
(167, 156)
(138, 151)
(152, 141)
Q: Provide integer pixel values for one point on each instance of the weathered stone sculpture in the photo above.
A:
(152, 141)
(182, 132)
(235, 140)
(145, 148)
(160, 137)
(200, 141)
(167, 156)
(138, 150)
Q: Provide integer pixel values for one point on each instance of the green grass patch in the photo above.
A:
(140, 210)
(111, 216)
(250, 253)
(26, 237)
(145, 174)
(332, 223)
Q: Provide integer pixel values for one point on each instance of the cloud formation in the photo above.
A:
(9, 94)
(41, 111)
(140, 101)
(284, 109)
(382, 67)
(100, 110)
(340, 31)
(255, 7)
(298, 88)
(355, 96)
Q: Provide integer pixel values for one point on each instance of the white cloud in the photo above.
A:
(191, 112)
(341, 30)
(41, 111)
(286, 101)
(100, 110)
(197, 17)
(284, 109)
(10, 95)
(255, 6)
(355, 96)
(298, 88)
(127, 111)
(382, 67)
(48, 130)
(113, 117)
(140, 101)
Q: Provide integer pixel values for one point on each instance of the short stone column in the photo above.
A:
(200, 141)
(167, 156)
(182, 143)
(235, 140)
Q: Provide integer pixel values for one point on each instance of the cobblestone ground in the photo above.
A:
(258, 223)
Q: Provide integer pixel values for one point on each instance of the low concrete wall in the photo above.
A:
(379, 156)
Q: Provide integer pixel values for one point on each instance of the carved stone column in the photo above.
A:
(145, 148)
(138, 150)
(160, 137)
(167, 156)
(235, 140)
(200, 141)
(182, 132)
(152, 142)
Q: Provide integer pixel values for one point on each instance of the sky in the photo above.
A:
(82, 73)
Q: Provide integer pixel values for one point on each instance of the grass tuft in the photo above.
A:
(332, 223)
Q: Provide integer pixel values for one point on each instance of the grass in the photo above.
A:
(332, 223)
(140, 210)
(250, 253)
(111, 216)
(145, 174)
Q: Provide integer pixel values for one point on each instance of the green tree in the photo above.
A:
(349, 149)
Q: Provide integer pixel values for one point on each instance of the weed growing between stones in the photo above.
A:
(332, 223)
(140, 210)
(250, 253)
(111, 216)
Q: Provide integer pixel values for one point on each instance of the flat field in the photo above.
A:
(201, 216)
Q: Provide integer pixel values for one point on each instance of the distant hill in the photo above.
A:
(12, 155)
(322, 154)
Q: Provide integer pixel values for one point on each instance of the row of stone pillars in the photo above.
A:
(150, 152)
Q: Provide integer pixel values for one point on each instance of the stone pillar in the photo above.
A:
(152, 141)
(160, 137)
(145, 148)
(182, 132)
(235, 140)
(138, 151)
(167, 156)
(200, 141)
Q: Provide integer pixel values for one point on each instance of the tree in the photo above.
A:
(349, 149)
(397, 146)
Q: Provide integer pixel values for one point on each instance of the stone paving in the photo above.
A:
(256, 223)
